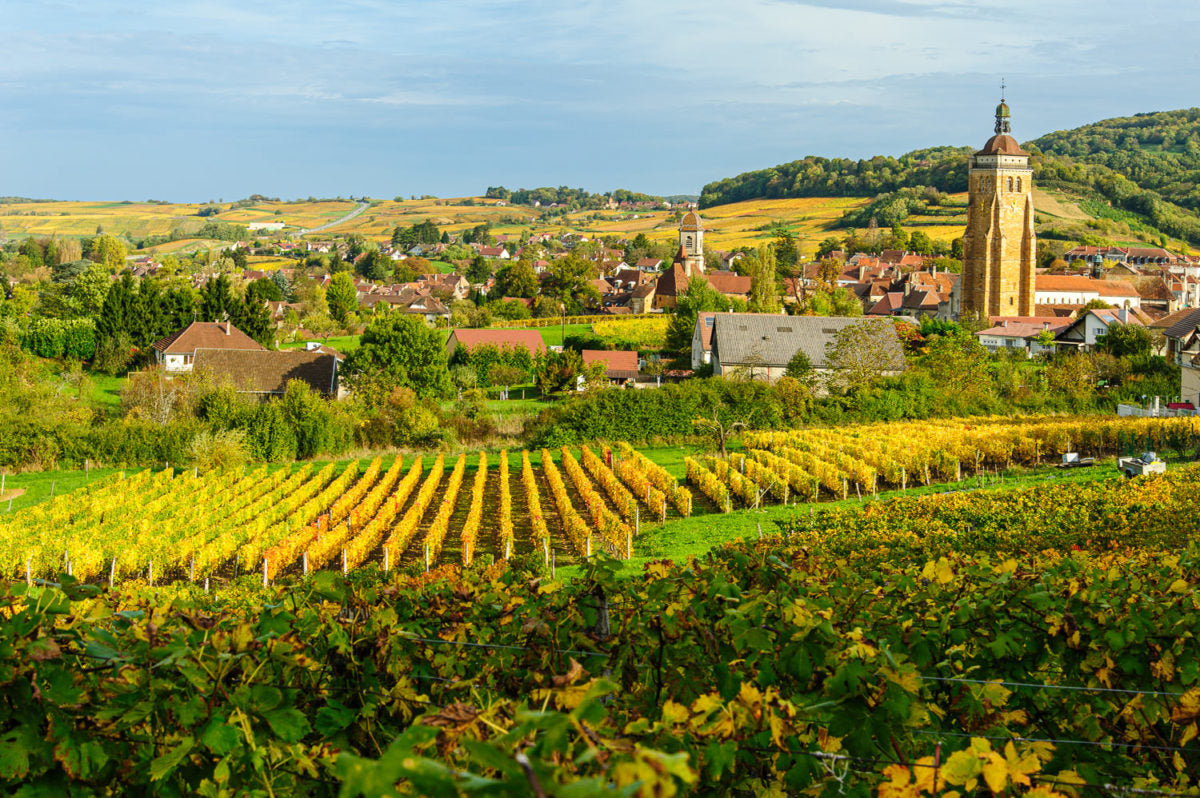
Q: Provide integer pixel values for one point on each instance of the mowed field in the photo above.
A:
(748, 223)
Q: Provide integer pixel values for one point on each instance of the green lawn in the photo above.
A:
(106, 389)
(553, 336)
(342, 343)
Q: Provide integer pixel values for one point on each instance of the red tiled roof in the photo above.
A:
(530, 339)
(730, 283)
(1057, 282)
(206, 335)
(621, 365)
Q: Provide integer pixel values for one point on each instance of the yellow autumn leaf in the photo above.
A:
(675, 713)
(1179, 586)
(995, 773)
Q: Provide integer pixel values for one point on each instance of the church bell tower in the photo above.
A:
(999, 245)
(691, 243)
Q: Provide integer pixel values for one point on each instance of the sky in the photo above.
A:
(189, 101)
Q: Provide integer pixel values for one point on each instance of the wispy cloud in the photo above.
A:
(191, 98)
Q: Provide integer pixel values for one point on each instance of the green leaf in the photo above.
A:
(488, 756)
(289, 724)
(264, 697)
(161, 767)
(14, 758)
(219, 737)
(333, 717)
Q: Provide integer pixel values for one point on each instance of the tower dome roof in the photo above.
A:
(1002, 144)
(690, 221)
(1002, 109)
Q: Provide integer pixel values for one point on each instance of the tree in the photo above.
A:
(764, 298)
(800, 369)
(110, 251)
(1094, 304)
(398, 351)
(786, 253)
(569, 281)
(216, 299)
(479, 270)
(827, 246)
(556, 371)
(699, 297)
(238, 256)
(374, 265)
(921, 243)
(838, 301)
(861, 353)
(1125, 340)
(264, 289)
(517, 279)
(342, 297)
(720, 429)
(252, 317)
(281, 282)
(958, 362)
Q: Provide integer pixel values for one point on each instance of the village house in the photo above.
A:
(1085, 331)
(1031, 334)
(177, 352)
(620, 366)
(1183, 349)
(529, 339)
(1054, 289)
(263, 373)
(760, 346)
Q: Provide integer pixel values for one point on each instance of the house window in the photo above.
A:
(1010, 184)
(1011, 301)
(1018, 184)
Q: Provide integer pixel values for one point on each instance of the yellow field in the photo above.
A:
(140, 219)
(382, 217)
(728, 226)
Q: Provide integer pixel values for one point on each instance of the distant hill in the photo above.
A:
(1141, 174)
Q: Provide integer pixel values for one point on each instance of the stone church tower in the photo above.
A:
(999, 246)
(691, 243)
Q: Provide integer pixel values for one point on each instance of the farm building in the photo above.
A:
(176, 353)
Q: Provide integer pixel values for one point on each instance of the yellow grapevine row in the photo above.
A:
(470, 531)
(537, 520)
(576, 530)
(406, 528)
(604, 521)
(441, 522)
(371, 535)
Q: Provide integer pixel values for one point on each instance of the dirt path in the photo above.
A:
(12, 493)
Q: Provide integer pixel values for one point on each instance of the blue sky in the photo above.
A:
(197, 100)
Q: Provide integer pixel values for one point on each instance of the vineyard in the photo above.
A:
(170, 526)
(850, 462)
(1041, 641)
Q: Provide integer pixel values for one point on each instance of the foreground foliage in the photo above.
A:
(914, 657)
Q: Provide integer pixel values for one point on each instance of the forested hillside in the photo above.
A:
(1143, 169)
(1158, 151)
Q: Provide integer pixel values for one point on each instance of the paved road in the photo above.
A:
(362, 206)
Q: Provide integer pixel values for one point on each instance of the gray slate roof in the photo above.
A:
(1184, 325)
(773, 340)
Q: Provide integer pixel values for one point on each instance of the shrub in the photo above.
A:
(219, 449)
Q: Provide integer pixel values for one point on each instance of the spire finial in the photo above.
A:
(1002, 116)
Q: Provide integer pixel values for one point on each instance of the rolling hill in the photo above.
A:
(1119, 180)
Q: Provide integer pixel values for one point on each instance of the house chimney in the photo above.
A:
(227, 332)
(1123, 315)
(1045, 325)
(1004, 323)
